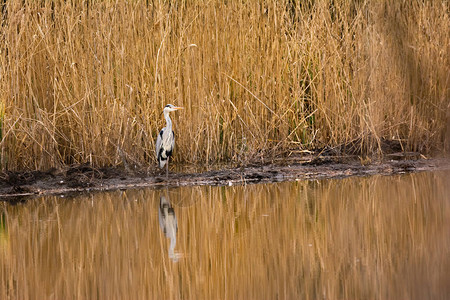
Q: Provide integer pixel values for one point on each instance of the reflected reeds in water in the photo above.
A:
(356, 238)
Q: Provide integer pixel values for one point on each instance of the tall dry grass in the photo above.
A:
(85, 81)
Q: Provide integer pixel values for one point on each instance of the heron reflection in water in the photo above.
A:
(168, 223)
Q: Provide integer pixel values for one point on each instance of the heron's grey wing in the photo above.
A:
(159, 142)
(175, 223)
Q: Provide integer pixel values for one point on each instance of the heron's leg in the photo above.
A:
(167, 167)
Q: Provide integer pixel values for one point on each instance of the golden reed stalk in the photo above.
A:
(86, 81)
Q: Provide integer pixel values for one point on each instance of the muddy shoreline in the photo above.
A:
(19, 186)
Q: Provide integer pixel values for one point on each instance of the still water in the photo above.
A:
(357, 238)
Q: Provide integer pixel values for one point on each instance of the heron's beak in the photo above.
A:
(178, 107)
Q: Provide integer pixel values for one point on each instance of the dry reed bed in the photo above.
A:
(362, 238)
(86, 81)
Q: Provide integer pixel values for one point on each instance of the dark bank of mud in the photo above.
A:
(19, 186)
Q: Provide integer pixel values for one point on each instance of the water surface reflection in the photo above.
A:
(356, 238)
(168, 224)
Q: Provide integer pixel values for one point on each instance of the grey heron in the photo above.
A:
(166, 139)
(168, 224)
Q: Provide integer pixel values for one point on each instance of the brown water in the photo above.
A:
(357, 238)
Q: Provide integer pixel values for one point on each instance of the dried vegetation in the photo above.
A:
(86, 81)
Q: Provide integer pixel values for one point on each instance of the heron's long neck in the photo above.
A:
(172, 255)
(168, 121)
(173, 242)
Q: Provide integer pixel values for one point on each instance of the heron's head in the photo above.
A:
(170, 107)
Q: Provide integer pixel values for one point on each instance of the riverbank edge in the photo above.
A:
(20, 186)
